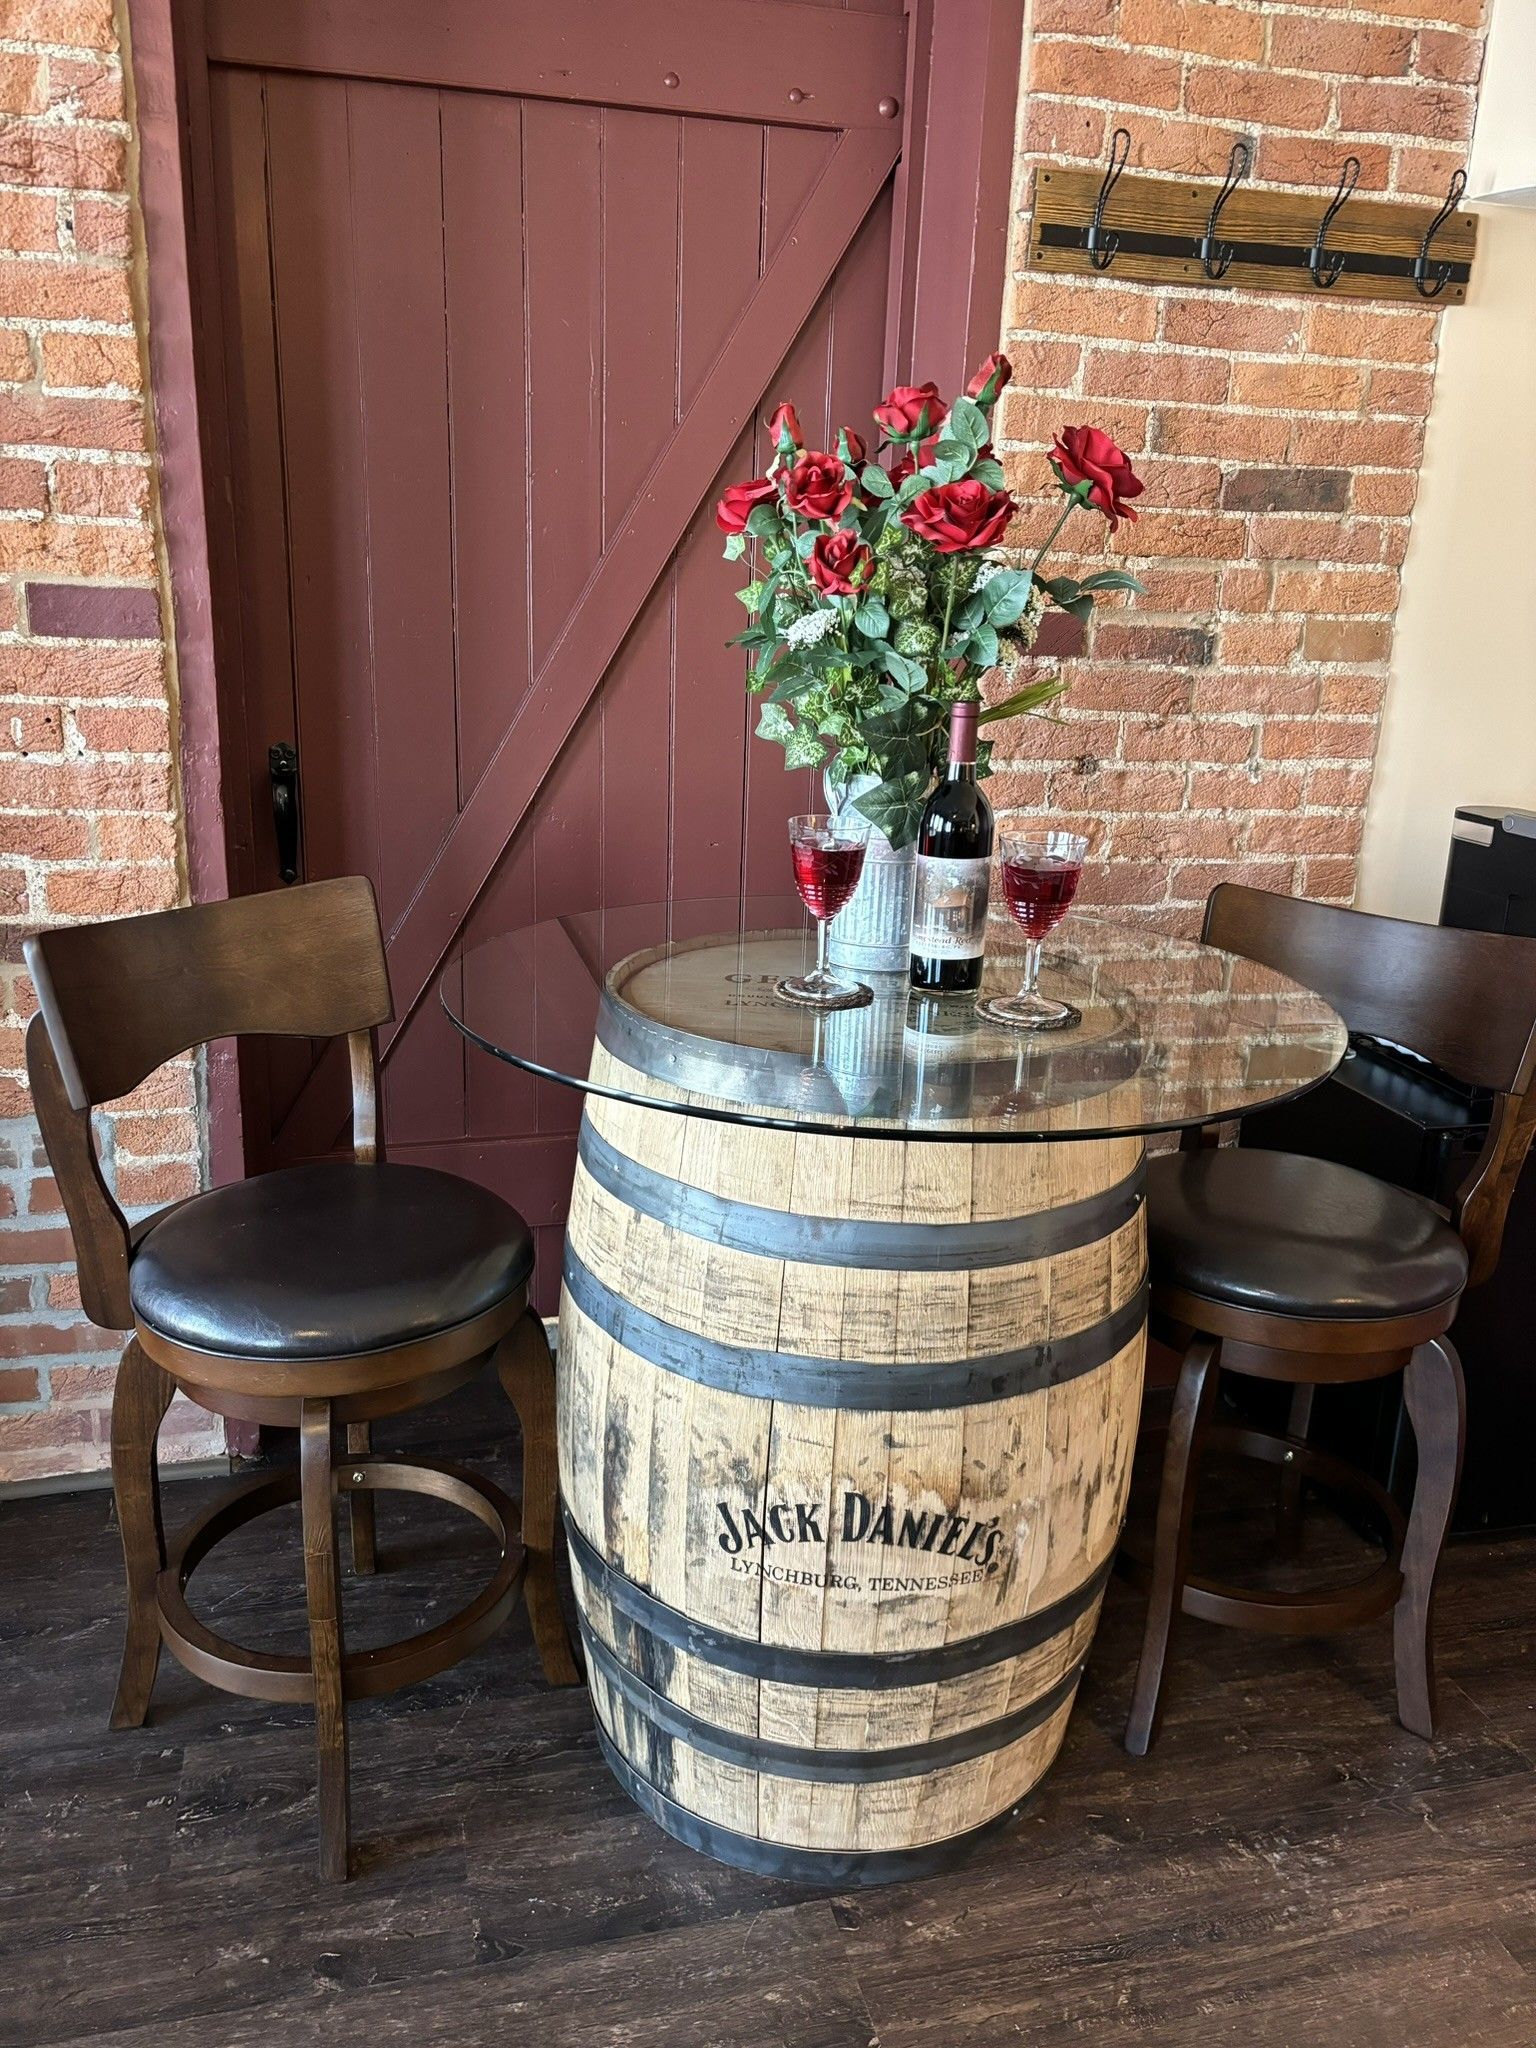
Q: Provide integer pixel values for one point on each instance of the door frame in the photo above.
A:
(951, 196)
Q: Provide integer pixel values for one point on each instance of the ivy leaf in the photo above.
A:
(875, 480)
(803, 750)
(775, 723)
(751, 597)
(896, 806)
(872, 619)
(735, 546)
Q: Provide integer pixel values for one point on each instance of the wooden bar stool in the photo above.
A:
(1311, 1273)
(321, 1297)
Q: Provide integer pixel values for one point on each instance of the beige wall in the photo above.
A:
(1460, 719)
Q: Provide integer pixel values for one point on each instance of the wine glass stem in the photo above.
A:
(1031, 982)
(821, 948)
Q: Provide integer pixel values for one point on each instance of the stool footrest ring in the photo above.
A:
(1318, 1610)
(264, 1675)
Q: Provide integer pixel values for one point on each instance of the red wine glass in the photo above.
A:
(828, 854)
(1040, 874)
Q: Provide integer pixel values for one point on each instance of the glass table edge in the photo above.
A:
(818, 1127)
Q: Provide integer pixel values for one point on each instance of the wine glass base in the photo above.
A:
(823, 992)
(1028, 1013)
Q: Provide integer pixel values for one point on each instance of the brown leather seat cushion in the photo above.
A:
(1296, 1237)
(326, 1260)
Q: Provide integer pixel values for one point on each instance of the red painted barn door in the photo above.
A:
(495, 294)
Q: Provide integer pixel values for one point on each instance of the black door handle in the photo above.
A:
(283, 773)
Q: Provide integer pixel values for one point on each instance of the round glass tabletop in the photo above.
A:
(679, 999)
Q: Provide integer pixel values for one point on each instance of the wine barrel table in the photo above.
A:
(852, 1333)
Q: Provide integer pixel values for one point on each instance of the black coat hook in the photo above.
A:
(1325, 264)
(1101, 247)
(1431, 286)
(1216, 257)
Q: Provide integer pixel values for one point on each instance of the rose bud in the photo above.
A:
(840, 562)
(995, 374)
(734, 509)
(850, 446)
(911, 410)
(819, 486)
(958, 517)
(784, 420)
(1086, 455)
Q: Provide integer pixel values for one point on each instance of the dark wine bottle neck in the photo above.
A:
(962, 743)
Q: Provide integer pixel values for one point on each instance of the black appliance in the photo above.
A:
(1395, 1115)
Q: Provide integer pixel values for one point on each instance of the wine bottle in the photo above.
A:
(954, 861)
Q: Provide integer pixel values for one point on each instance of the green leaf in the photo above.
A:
(804, 750)
(989, 471)
(1028, 699)
(896, 807)
(775, 723)
(1111, 579)
(967, 422)
(909, 674)
(875, 480)
(735, 546)
(751, 597)
(983, 647)
(762, 520)
(952, 451)
(873, 619)
(804, 545)
(1064, 589)
(1004, 597)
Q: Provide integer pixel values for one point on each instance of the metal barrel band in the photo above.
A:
(836, 1868)
(865, 1387)
(850, 1241)
(851, 1670)
(830, 1766)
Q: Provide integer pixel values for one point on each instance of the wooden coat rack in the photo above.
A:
(1162, 231)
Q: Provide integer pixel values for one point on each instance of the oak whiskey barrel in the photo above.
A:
(846, 1427)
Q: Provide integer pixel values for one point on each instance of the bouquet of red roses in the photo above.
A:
(885, 593)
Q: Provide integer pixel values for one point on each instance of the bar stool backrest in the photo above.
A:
(117, 1000)
(1466, 1000)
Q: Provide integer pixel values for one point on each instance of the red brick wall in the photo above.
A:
(1225, 725)
(87, 784)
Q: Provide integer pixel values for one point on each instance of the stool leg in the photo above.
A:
(139, 1401)
(1288, 1502)
(1175, 1511)
(360, 1522)
(1436, 1399)
(528, 1379)
(321, 1587)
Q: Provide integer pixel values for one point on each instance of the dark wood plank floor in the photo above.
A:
(1289, 1869)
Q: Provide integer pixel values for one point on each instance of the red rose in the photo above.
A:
(902, 468)
(840, 562)
(1086, 455)
(784, 421)
(901, 411)
(856, 450)
(819, 486)
(732, 512)
(959, 517)
(995, 374)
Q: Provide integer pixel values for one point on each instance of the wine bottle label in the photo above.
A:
(949, 908)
